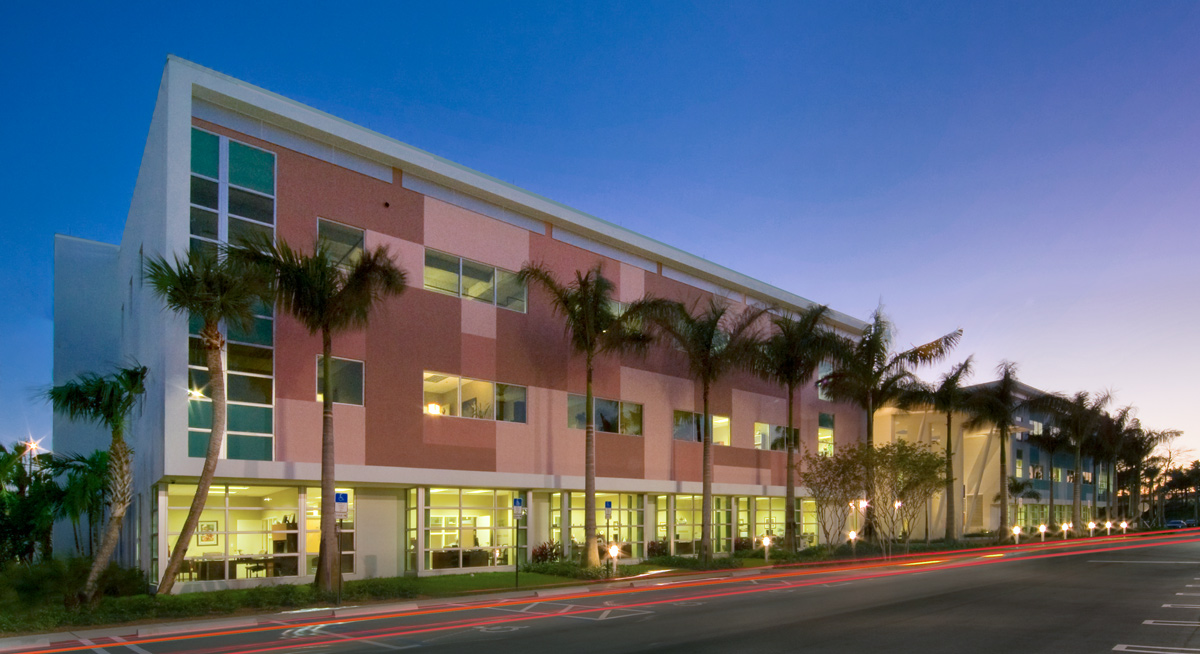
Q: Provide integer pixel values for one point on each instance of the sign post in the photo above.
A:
(341, 510)
(518, 513)
(608, 532)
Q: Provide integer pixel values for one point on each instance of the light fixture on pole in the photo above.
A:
(1017, 533)
(1042, 531)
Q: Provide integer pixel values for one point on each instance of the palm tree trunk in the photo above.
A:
(591, 555)
(1077, 489)
(1135, 499)
(869, 476)
(120, 471)
(1003, 531)
(1095, 491)
(951, 526)
(1050, 519)
(706, 506)
(789, 532)
(213, 344)
(329, 560)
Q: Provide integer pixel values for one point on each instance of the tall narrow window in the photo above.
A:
(825, 443)
(232, 197)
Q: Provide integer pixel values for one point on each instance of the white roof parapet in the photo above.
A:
(253, 101)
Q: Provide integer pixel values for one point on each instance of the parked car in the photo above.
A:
(1176, 524)
(1191, 522)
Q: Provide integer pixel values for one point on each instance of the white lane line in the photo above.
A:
(1189, 594)
(1181, 606)
(1153, 649)
(1171, 562)
(131, 646)
(101, 650)
(1192, 586)
(369, 642)
(1172, 623)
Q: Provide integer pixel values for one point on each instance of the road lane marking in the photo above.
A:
(1189, 594)
(1172, 562)
(1153, 649)
(1172, 623)
(131, 646)
(101, 650)
(1181, 606)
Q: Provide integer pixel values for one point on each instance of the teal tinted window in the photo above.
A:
(258, 333)
(207, 248)
(205, 153)
(200, 414)
(345, 243)
(243, 388)
(198, 444)
(510, 292)
(255, 419)
(195, 323)
(251, 168)
(196, 352)
(248, 448)
(198, 381)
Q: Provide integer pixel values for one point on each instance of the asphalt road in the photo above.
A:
(1135, 595)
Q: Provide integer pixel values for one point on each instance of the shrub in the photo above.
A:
(659, 548)
(742, 544)
(379, 588)
(690, 563)
(547, 552)
(566, 569)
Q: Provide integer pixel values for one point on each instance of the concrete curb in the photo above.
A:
(195, 625)
(23, 642)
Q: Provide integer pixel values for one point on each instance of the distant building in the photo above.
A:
(461, 396)
(976, 454)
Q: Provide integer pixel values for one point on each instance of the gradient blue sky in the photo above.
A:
(1029, 172)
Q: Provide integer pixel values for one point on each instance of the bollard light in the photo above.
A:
(1124, 526)
(853, 550)
(1017, 533)
(767, 547)
(613, 552)
(1108, 527)
(1066, 526)
(1091, 528)
(1042, 530)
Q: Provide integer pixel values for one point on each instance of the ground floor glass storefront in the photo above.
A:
(624, 528)
(467, 528)
(249, 531)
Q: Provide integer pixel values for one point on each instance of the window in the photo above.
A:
(470, 528)
(612, 416)
(244, 531)
(446, 273)
(345, 243)
(1058, 474)
(1020, 464)
(624, 528)
(345, 528)
(825, 442)
(772, 437)
(688, 424)
(1035, 428)
(1035, 471)
(447, 395)
(823, 371)
(346, 377)
(233, 199)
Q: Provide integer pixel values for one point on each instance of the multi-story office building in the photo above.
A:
(461, 395)
(976, 455)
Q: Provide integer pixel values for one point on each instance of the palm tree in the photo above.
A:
(85, 491)
(871, 375)
(715, 342)
(326, 295)
(996, 404)
(106, 401)
(1051, 441)
(1079, 416)
(1105, 449)
(1020, 489)
(947, 397)
(1139, 444)
(214, 290)
(790, 357)
(594, 326)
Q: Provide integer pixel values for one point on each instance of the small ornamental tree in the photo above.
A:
(834, 482)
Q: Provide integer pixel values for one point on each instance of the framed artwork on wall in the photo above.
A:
(206, 533)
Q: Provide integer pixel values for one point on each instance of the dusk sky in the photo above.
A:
(1029, 172)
